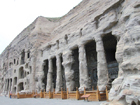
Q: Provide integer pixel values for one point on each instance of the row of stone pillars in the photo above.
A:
(102, 70)
(8, 85)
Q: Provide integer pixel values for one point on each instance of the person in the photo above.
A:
(10, 94)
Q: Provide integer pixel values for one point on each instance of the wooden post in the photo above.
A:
(44, 94)
(77, 94)
(49, 94)
(53, 93)
(84, 91)
(41, 94)
(67, 94)
(62, 93)
(18, 95)
(97, 94)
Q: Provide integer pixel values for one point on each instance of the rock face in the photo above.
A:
(96, 44)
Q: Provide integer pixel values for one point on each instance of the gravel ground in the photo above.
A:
(39, 101)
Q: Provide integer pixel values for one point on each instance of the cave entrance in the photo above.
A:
(21, 73)
(15, 81)
(110, 42)
(63, 75)
(54, 73)
(8, 84)
(75, 67)
(20, 86)
(23, 57)
(45, 70)
(91, 56)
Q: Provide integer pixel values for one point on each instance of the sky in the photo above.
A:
(15, 15)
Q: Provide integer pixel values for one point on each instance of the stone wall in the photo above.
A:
(95, 43)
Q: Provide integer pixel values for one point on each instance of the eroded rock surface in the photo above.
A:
(97, 43)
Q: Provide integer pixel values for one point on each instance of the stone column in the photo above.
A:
(49, 75)
(83, 70)
(26, 55)
(69, 73)
(102, 70)
(9, 84)
(59, 74)
(5, 85)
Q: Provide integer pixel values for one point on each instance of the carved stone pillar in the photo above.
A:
(102, 70)
(83, 68)
(6, 85)
(69, 73)
(26, 56)
(59, 74)
(49, 76)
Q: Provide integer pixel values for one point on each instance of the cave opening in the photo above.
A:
(54, 73)
(91, 57)
(75, 67)
(23, 57)
(110, 42)
(21, 73)
(45, 70)
(20, 86)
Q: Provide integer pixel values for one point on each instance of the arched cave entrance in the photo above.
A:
(21, 73)
(45, 69)
(20, 86)
(75, 67)
(15, 81)
(110, 42)
(54, 73)
(23, 57)
(91, 56)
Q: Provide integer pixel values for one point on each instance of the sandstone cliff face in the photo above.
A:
(127, 84)
(78, 44)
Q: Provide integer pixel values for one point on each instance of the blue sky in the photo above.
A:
(15, 15)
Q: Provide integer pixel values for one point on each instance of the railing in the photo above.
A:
(74, 94)
(95, 95)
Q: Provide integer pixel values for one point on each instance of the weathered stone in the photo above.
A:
(96, 43)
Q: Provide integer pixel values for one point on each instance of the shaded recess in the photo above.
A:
(8, 84)
(91, 56)
(21, 73)
(54, 73)
(75, 66)
(23, 57)
(110, 42)
(20, 86)
(45, 70)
